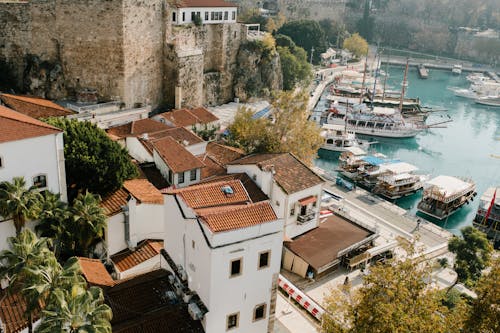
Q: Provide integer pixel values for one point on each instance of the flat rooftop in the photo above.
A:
(321, 246)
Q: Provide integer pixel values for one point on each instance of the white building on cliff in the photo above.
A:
(209, 11)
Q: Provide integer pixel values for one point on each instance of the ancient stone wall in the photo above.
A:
(143, 51)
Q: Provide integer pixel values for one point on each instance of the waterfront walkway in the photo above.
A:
(437, 63)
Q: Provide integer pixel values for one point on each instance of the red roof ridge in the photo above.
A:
(229, 208)
(30, 100)
(198, 186)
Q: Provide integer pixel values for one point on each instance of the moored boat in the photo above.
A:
(338, 138)
(399, 181)
(422, 71)
(350, 160)
(487, 217)
(457, 69)
(444, 195)
(488, 101)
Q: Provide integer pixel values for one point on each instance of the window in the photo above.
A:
(192, 174)
(181, 178)
(259, 312)
(234, 15)
(206, 16)
(170, 179)
(226, 15)
(1, 162)
(236, 267)
(212, 16)
(40, 181)
(232, 321)
(192, 16)
(193, 244)
(292, 211)
(173, 16)
(264, 259)
(183, 16)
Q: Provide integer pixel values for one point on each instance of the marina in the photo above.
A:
(468, 146)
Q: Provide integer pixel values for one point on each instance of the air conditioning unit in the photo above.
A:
(186, 296)
(172, 298)
(194, 311)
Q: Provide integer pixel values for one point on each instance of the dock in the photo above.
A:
(423, 72)
(438, 64)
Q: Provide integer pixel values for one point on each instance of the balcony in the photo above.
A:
(308, 216)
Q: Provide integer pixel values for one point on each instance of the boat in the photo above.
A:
(350, 160)
(375, 165)
(487, 217)
(338, 138)
(444, 195)
(488, 101)
(465, 93)
(457, 69)
(398, 181)
(422, 71)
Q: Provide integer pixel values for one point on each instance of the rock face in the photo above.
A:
(44, 78)
(258, 72)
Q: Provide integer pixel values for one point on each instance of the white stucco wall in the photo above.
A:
(202, 11)
(136, 150)
(115, 234)
(152, 264)
(198, 148)
(34, 156)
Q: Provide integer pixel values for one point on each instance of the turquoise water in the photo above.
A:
(464, 148)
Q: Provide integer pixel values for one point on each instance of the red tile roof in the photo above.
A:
(145, 250)
(223, 154)
(203, 3)
(176, 156)
(290, 173)
(34, 107)
(113, 203)
(17, 126)
(185, 117)
(211, 168)
(239, 217)
(12, 308)
(143, 191)
(95, 273)
(211, 194)
(137, 128)
(252, 189)
(179, 134)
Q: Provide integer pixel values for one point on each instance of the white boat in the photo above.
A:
(487, 218)
(466, 93)
(489, 101)
(398, 181)
(444, 195)
(457, 69)
(350, 160)
(382, 122)
(337, 138)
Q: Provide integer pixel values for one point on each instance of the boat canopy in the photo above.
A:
(356, 151)
(400, 168)
(333, 127)
(378, 110)
(449, 186)
(373, 160)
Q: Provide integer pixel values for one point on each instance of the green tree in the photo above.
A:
(93, 161)
(394, 297)
(76, 310)
(294, 64)
(473, 253)
(366, 24)
(18, 202)
(484, 316)
(289, 132)
(308, 35)
(356, 44)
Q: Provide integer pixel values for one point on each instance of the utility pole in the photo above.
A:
(312, 52)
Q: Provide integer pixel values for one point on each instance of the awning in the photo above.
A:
(307, 200)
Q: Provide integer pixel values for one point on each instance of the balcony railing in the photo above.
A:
(308, 216)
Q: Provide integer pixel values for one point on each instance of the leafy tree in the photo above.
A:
(473, 253)
(76, 310)
(308, 35)
(356, 44)
(334, 31)
(394, 297)
(366, 24)
(484, 316)
(93, 161)
(289, 132)
(294, 65)
(18, 202)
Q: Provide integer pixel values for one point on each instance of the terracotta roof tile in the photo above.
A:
(290, 173)
(143, 191)
(95, 273)
(34, 107)
(138, 128)
(17, 126)
(211, 194)
(12, 308)
(204, 115)
(239, 217)
(113, 203)
(181, 118)
(223, 154)
(145, 250)
(179, 134)
(253, 189)
(203, 3)
(212, 168)
(176, 156)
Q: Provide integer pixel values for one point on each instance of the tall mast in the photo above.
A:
(375, 81)
(364, 80)
(404, 86)
(385, 81)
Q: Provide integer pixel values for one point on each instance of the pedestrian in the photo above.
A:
(346, 281)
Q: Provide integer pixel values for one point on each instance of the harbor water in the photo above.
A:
(469, 146)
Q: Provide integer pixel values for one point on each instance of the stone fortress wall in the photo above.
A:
(125, 49)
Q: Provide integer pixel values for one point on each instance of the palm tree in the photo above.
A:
(76, 310)
(88, 222)
(18, 202)
(26, 251)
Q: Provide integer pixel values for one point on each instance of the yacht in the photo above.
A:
(338, 138)
(399, 181)
(488, 100)
(444, 195)
(350, 160)
(374, 167)
(457, 69)
(487, 217)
